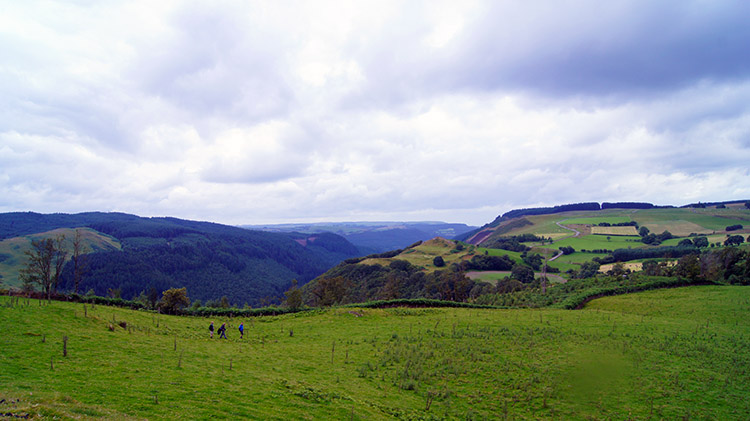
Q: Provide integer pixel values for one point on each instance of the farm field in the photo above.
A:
(680, 222)
(614, 231)
(667, 354)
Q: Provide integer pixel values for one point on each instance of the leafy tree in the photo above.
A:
(734, 240)
(534, 260)
(734, 227)
(224, 303)
(294, 296)
(330, 291)
(114, 293)
(438, 261)
(700, 242)
(522, 273)
(153, 296)
(567, 250)
(643, 231)
(688, 267)
(652, 268)
(508, 285)
(174, 300)
(685, 242)
(588, 270)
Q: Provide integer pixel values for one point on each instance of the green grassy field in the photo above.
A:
(668, 354)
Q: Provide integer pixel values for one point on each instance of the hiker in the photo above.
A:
(222, 330)
(242, 330)
(211, 329)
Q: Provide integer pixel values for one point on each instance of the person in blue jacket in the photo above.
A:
(242, 330)
(222, 331)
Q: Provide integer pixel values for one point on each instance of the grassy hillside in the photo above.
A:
(12, 257)
(681, 222)
(668, 354)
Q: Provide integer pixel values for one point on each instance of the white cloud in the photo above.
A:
(253, 112)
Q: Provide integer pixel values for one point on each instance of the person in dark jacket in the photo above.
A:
(222, 331)
(211, 329)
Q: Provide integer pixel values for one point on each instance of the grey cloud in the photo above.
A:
(568, 49)
(216, 61)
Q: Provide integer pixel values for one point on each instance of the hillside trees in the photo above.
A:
(588, 270)
(522, 273)
(700, 242)
(734, 240)
(566, 250)
(330, 291)
(294, 296)
(485, 262)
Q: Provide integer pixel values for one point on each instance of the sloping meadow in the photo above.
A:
(682, 352)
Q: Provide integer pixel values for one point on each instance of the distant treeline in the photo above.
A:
(587, 206)
(627, 205)
(728, 202)
(513, 243)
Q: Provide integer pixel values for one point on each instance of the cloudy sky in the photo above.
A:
(246, 112)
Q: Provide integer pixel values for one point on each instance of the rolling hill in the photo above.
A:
(134, 254)
(589, 232)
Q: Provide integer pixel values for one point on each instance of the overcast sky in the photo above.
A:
(246, 112)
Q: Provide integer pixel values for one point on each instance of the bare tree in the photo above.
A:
(60, 255)
(79, 261)
(38, 269)
(44, 264)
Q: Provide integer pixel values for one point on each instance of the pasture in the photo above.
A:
(614, 230)
(667, 354)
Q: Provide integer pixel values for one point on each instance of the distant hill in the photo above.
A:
(509, 222)
(569, 238)
(376, 237)
(211, 260)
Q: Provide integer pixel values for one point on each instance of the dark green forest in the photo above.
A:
(211, 260)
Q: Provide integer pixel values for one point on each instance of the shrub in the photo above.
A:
(174, 300)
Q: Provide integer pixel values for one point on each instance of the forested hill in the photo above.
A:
(376, 237)
(211, 260)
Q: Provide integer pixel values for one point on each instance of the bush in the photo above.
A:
(174, 300)
(734, 240)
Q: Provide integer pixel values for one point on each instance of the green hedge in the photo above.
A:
(418, 302)
(578, 300)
